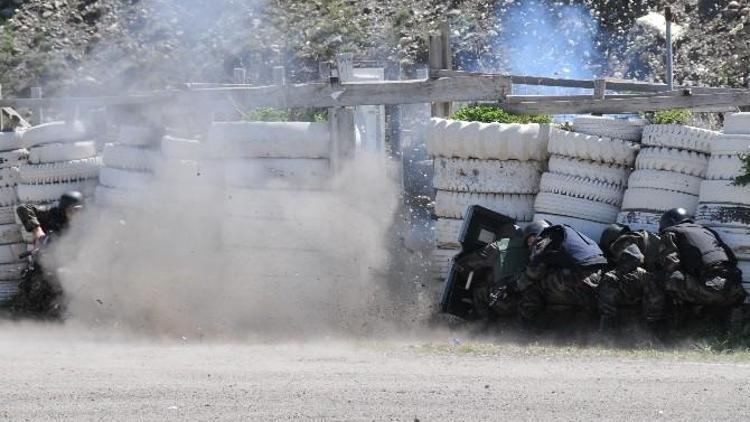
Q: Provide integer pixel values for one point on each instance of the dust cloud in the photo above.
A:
(176, 257)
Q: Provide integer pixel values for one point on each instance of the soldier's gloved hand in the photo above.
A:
(38, 234)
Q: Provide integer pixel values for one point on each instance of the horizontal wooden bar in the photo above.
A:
(633, 104)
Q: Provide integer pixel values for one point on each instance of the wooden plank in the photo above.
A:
(613, 84)
(631, 105)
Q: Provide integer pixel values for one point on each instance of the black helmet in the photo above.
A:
(535, 228)
(71, 199)
(610, 234)
(674, 217)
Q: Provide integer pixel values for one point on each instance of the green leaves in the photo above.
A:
(675, 116)
(490, 114)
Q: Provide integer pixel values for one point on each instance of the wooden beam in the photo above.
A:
(630, 104)
(612, 84)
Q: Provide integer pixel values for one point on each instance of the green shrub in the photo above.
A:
(270, 114)
(491, 114)
(745, 178)
(680, 116)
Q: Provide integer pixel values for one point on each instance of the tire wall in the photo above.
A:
(724, 206)
(668, 174)
(498, 166)
(589, 168)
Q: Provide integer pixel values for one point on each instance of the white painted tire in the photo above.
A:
(606, 173)
(737, 123)
(487, 176)
(591, 229)
(65, 171)
(724, 167)
(125, 179)
(551, 203)
(487, 141)
(454, 204)
(9, 253)
(9, 177)
(667, 180)
(54, 132)
(640, 220)
(447, 231)
(183, 149)
(271, 173)
(51, 192)
(731, 145)
(127, 157)
(8, 215)
(190, 172)
(8, 197)
(607, 127)
(139, 136)
(594, 148)
(55, 153)
(10, 141)
(724, 192)
(441, 262)
(10, 233)
(270, 140)
(579, 187)
(11, 272)
(658, 200)
(14, 158)
(738, 239)
(744, 266)
(670, 159)
(680, 137)
(8, 290)
(723, 215)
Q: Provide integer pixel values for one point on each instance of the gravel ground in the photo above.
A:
(64, 375)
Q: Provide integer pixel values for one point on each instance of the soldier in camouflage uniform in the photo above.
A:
(632, 281)
(699, 268)
(565, 269)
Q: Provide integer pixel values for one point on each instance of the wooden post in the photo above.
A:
(342, 136)
(345, 65)
(324, 71)
(240, 76)
(279, 75)
(36, 111)
(600, 88)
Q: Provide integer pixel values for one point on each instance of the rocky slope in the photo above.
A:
(97, 46)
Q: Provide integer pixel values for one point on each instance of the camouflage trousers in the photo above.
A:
(559, 288)
(633, 288)
(718, 286)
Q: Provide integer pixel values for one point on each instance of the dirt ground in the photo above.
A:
(62, 374)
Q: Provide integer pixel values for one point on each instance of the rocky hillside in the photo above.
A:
(106, 46)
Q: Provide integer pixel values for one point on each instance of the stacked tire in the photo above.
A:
(725, 206)
(588, 173)
(497, 166)
(669, 171)
(129, 165)
(60, 158)
(11, 245)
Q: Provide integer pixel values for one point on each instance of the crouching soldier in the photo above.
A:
(632, 279)
(699, 268)
(565, 268)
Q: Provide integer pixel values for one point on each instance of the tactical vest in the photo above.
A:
(698, 246)
(571, 249)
